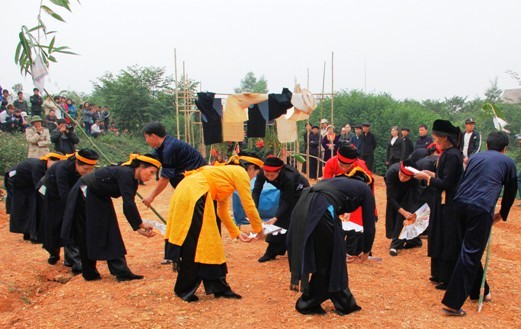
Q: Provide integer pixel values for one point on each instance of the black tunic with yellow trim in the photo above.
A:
(21, 181)
(59, 180)
(104, 241)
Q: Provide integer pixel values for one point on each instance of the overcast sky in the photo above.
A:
(410, 49)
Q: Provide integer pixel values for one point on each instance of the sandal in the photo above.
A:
(459, 312)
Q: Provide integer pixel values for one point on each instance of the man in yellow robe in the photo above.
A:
(192, 230)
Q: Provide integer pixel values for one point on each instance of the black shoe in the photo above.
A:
(313, 311)
(27, 236)
(53, 260)
(190, 299)
(228, 294)
(414, 245)
(442, 286)
(128, 277)
(393, 252)
(434, 280)
(93, 278)
(266, 258)
(355, 309)
(77, 269)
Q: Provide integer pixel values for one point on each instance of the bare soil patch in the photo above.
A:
(393, 293)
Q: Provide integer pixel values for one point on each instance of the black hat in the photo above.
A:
(315, 126)
(470, 120)
(406, 129)
(87, 156)
(366, 124)
(347, 154)
(60, 121)
(272, 164)
(358, 126)
(444, 128)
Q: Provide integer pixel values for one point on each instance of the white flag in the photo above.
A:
(39, 71)
(500, 124)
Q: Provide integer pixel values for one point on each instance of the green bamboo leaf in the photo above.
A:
(61, 48)
(52, 44)
(52, 59)
(52, 13)
(25, 45)
(17, 52)
(36, 28)
(65, 52)
(62, 3)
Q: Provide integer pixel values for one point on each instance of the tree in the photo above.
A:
(136, 95)
(250, 84)
(493, 93)
(17, 87)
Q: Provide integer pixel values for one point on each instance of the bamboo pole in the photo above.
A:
(323, 91)
(483, 280)
(98, 149)
(332, 100)
(176, 95)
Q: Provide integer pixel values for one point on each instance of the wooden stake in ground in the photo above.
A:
(482, 288)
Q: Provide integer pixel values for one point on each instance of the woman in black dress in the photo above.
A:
(90, 218)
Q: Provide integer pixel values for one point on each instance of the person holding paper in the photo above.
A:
(290, 183)
(402, 201)
(346, 162)
(90, 219)
(192, 232)
(445, 234)
(316, 243)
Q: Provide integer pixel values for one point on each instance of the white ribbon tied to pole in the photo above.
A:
(39, 71)
(500, 124)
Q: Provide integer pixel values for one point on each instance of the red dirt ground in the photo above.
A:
(394, 293)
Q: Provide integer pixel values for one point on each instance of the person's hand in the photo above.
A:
(497, 218)
(146, 229)
(272, 221)
(148, 200)
(422, 175)
(465, 160)
(260, 235)
(405, 213)
(363, 257)
(410, 220)
(244, 237)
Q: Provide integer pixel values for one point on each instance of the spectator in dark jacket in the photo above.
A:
(64, 138)
(424, 140)
(36, 102)
(470, 141)
(369, 145)
(394, 148)
(407, 145)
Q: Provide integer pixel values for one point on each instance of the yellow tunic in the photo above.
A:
(219, 182)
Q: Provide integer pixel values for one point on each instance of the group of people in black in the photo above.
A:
(462, 195)
(62, 202)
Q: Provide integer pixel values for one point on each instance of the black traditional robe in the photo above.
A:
(103, 237)
(324, 202)
(290, 183)
(399, 195)
(59, 180)
(21, 182)
(445, 234)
